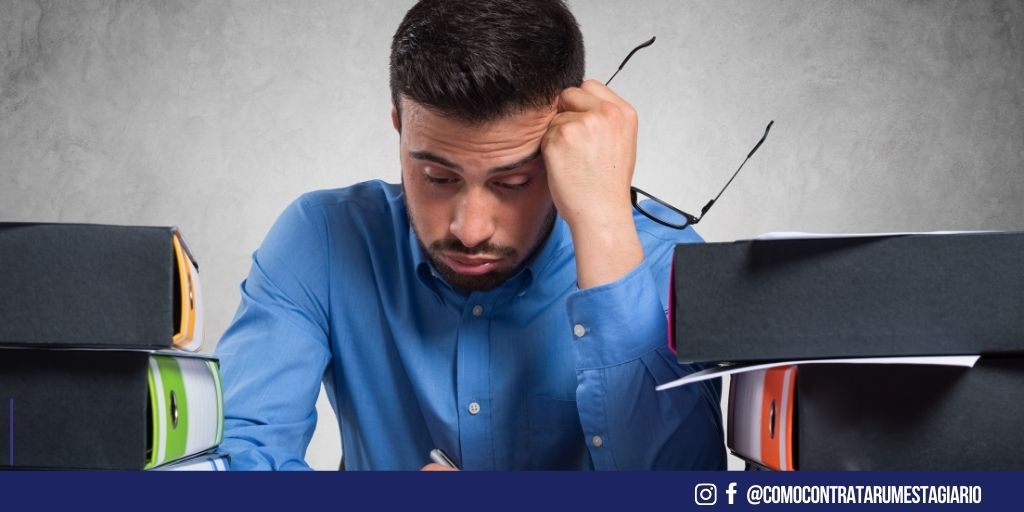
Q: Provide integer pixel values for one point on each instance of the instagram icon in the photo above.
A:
(705, 494)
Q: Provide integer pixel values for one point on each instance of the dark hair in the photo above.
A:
(478, 60)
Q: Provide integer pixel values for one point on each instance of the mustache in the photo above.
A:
(453, 245)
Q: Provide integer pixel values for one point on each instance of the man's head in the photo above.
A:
(474, 85)
(479, 60)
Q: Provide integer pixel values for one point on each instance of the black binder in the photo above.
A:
(73, 409)
(898, 417)
(849, 297)
(106, 409)
(77, 285)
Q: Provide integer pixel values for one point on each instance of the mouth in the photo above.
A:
(469, 265)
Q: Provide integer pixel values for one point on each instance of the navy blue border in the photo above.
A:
(530, 492)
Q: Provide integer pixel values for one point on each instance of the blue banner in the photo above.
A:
(569, 492)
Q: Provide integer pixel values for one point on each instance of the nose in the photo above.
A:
(474, 218)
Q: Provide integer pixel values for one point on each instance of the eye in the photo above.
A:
(438, 178)
(517, 182)
(438, 181)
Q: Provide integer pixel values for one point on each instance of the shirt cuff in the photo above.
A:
(618, 322)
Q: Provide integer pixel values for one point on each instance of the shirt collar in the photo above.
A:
(557, 241)
(425, 271)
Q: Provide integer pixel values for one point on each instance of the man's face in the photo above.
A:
(477, 195)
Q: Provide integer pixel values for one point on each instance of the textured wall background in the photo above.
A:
(213, 114)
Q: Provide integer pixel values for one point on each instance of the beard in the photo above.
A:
(491, 280)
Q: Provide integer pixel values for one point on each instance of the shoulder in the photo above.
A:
(658, 239)
(368, 206)
(659, 244)
(325, 217)
(369, 196)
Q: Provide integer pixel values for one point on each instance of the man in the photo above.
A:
(503, 304)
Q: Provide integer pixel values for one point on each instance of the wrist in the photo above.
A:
(599, 217)
(605, 249)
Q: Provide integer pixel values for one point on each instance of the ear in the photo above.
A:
(396, 119)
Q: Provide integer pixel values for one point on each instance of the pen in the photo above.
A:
(440, 457)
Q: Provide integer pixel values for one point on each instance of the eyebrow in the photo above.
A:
(430, 157)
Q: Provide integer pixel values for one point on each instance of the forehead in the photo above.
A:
(511, 136)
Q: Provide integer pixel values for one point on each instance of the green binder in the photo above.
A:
(186, 408)
(106, 409)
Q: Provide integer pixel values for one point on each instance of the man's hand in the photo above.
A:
(590, 151)
(436, 467)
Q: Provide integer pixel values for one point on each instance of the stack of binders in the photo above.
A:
(879, 416)
(892, 296)
(99, 332)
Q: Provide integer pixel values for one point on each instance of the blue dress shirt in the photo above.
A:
(535, 374)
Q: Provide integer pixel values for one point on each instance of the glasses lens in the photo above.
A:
(660, 211)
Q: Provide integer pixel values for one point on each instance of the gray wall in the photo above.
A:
(213, 115)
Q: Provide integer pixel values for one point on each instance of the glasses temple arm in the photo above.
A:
(765, 136)
(752, 151)
(643, 45)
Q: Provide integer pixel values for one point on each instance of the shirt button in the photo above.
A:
(596, 441)
(478, 310)
(579, 330)
(474, 408)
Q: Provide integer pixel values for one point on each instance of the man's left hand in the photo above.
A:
(590, 153)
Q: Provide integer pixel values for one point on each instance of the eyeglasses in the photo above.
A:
(660, 211)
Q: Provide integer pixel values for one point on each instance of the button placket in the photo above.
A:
(472, 381)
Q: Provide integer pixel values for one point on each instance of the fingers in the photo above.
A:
(588, 96)
(602, 91)
(576, 99)
(436, 467)
(592, 97)
(591, 103)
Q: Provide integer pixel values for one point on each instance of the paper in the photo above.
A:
(790, 235)
(721, 371)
